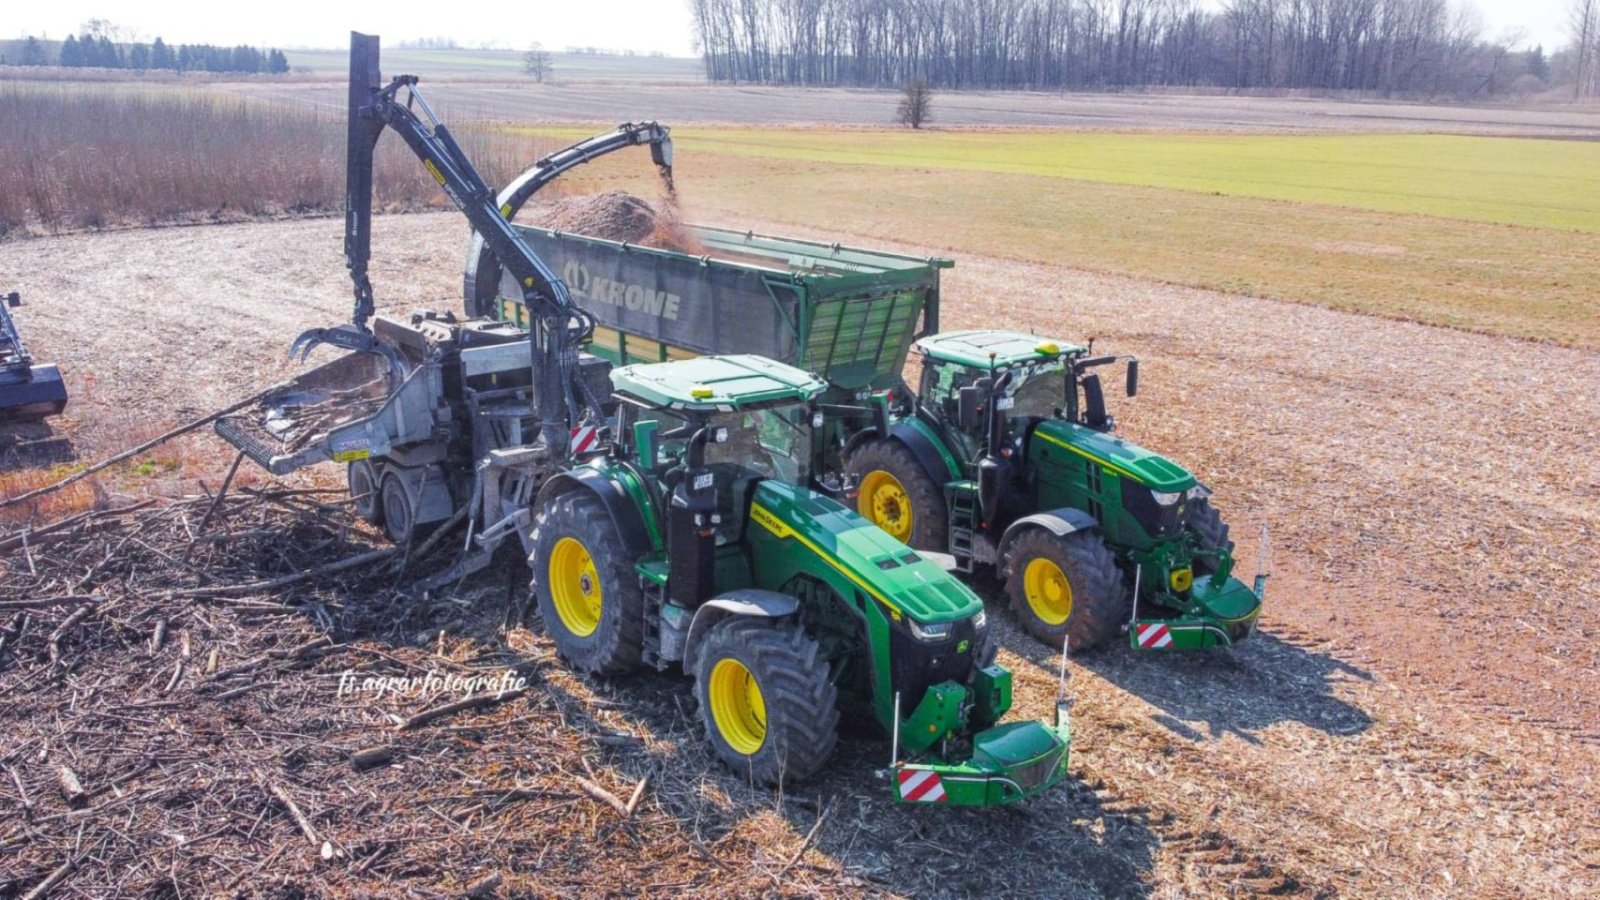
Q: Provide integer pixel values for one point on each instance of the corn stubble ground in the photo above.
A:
(1416, 716)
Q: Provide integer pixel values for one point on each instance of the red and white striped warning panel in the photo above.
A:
(921, 786)
(583, 437)
(1154, 636)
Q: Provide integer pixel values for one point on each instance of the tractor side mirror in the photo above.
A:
(1133, 378)
(13, 299)
(967, 401)
(644, 441)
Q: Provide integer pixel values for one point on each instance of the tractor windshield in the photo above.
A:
(1038, 393)
(773, 443)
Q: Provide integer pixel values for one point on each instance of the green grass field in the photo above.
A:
(1537, 183)
(1487, 234)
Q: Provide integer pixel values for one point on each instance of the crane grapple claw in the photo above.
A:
(345, 337)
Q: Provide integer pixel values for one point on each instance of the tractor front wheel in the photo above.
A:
(1065, 587)
(769, 707)
(589, 596)
(896, 494)
(1206, 522)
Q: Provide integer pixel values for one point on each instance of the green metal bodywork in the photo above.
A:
(849, 314)
(862, 593)
(711, 383)
(994, 349)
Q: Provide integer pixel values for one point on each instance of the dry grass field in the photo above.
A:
(1407, 397)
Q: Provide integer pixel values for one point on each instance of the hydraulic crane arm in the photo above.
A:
(556, 326)
(481, 285)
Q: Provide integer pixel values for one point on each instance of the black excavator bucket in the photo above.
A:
(28, 390)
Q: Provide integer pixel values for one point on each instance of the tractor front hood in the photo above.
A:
(1009, 762)
(882, 567)
(1120, 457)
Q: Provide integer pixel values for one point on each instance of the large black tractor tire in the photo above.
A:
(1065, 588)
(588, 593)
(898, 495)
(769, 707)
(362, 480)
(1205, 521)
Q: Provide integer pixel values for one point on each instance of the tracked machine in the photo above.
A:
(671, 512)
(28, 390)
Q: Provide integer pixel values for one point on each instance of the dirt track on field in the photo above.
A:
(1417, 717)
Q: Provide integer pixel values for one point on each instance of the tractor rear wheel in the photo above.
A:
(1205, 521)
(769, 707)
(1065, 587)
(898, 495)
(362, 481)
(589, 596)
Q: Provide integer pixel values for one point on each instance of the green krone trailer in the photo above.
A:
(1005, 457)
(699, 538)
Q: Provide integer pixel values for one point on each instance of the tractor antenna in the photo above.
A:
(1263, 560)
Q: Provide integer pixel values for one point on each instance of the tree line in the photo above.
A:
(90, 50)
(1386, 46)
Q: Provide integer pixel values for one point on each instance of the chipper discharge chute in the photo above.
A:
(28, 390)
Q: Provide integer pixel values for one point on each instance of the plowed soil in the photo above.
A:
(1416, 717)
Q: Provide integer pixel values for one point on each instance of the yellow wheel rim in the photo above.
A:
(575, 586)
(883, 502)
(737, 708)
(1048, 591)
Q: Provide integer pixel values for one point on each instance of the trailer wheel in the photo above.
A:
(396, 509)
(1206, 522)
(898, 495)
(588, 592)
(1065, 587)
(363, 484)
(766, 698)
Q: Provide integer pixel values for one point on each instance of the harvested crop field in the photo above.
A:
(1416, 717)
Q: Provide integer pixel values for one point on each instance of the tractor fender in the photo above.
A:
(625, 514)
(1060, 522)
(748, 602)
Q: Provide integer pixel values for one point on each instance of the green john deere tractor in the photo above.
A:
(697, 537)
(1005, 458)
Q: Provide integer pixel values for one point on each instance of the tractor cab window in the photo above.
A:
(1037, 393)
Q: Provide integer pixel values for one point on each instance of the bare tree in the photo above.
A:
(1583, 18)
(536, 62)
(916, 103)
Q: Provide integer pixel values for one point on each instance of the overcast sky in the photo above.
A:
(640, 25)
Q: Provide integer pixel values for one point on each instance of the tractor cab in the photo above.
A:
(986, 388)
(709, 429)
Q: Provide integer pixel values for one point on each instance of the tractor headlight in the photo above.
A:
(719, 435)
(980, 620)
(937, 631)
(1199, 492)
(1167, 498)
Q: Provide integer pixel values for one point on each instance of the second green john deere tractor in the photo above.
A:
(698, 538)
(1005, 458)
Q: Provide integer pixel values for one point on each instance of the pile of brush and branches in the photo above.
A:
(242, 693)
